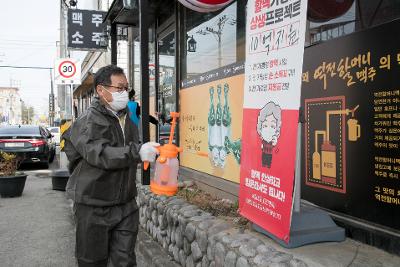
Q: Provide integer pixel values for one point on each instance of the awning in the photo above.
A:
(86, 86)
(124, 12)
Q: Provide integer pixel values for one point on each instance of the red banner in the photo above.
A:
(266, 192)
(275, 34)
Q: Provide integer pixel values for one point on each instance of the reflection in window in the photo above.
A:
(210, 40)
(136, 67)
(342, 25)
(362, 14)
(166, 51)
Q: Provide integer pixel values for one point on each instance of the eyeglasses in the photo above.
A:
(119, 89)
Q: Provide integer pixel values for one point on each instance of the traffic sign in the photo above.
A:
(67, 71)
(152, 72)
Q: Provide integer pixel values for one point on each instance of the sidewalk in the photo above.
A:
(37, 229)
(194, 237)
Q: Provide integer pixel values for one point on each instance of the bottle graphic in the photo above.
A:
(234, 148)
(212, 144)
(218, 131)
(226, 125)
(226, 116)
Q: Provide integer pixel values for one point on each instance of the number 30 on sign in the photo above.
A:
(67, 71)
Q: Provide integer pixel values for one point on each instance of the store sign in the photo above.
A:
(275, 32)
(86, 30)
(351, 101)
(205, 5)
(67, 71)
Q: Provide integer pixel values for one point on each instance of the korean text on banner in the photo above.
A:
(275, 32)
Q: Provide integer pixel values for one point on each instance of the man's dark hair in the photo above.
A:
(103, 75)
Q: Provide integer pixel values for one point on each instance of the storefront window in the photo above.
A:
(136, 68)
(211, 40)
(122, 56)
(334, 19)
(152, 79)
(321, 29)
(167, 92)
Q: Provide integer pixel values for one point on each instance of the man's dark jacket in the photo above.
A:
(102, 159)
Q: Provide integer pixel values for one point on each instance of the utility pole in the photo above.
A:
(62, 89)
(51, 101)
(62, 94)
(218, 34)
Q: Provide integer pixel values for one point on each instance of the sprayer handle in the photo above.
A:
(174, 114)
(146, 165)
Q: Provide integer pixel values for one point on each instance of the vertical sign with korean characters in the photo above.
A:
(85, 29)
(275, 32)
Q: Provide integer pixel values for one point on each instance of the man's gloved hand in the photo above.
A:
(148, 151)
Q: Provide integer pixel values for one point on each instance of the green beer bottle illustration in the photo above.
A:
(225, 126)
(226, 117)
(212, 145)
(218, 131)
(211, 113)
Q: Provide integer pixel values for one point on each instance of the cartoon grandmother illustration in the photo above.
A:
(269, 124)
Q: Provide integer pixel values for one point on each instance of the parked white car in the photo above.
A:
(55, 131)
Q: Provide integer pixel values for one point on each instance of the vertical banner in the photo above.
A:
(275, 32)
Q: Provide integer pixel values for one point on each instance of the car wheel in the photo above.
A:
(51, 159)
(45, 165)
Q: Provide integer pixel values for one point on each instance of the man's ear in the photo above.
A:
(99, 90)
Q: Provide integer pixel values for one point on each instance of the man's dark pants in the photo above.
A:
(106, 236)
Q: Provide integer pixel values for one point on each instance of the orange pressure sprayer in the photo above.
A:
(165, 181)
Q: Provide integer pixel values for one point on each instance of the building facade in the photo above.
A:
(10, 106)
(178, 59)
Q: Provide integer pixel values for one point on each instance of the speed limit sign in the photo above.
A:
(152, 72)
(67, 71)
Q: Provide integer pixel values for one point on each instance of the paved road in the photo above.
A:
(37, 229)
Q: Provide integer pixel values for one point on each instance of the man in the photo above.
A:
(133, 109)
(103, 151)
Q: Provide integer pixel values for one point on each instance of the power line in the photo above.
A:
(13, 41)
(26, 44)
(25, 67)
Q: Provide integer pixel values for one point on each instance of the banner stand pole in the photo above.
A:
(309, 224)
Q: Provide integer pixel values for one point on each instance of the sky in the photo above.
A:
(29, 31)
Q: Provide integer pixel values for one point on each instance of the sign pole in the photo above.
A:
(72, 101)
(297, 176)
(51, 104)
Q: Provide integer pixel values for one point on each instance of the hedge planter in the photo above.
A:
(12, 186)
(59, 179)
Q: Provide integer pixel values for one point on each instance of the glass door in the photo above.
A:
(166, 80)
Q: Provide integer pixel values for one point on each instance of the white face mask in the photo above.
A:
(120, 100)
